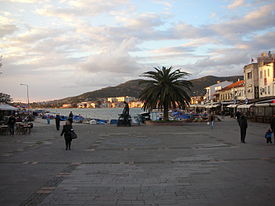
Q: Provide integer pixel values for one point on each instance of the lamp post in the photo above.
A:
(27, 95)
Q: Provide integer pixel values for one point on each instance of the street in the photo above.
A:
(140, 165)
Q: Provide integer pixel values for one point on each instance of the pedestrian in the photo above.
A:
(57, 121)
(71, 116)
(211, 120)
(272, 126)
(67, 128)
(11, 124)
(268, 136)
(243, 127)
(48, 119)
(238, 116)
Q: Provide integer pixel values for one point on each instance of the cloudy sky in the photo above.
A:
(63, 48)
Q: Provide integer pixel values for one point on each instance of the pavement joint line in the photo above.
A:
(159, 148)
(38, 196)
(147, 162)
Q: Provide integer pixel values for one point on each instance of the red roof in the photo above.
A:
(234, 85)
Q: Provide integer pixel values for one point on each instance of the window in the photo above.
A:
(261, 74)
(268, 89)
(249, 75)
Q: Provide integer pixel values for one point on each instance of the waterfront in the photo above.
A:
(97, 113)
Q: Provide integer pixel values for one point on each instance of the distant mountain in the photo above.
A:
(132, 88)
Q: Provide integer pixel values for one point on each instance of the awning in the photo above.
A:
(197, 105)
(245, 106)
(212, 106)
(232, 105)
(7, 107)
(265, 105)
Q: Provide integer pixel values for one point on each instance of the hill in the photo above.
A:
(132, 88)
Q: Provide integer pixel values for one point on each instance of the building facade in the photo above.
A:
(233, 92)
(251, 78)
(267, 79)
(211, 91)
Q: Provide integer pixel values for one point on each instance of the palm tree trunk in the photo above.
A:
(165, 113)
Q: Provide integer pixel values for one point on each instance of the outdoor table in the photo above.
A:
(4, 129)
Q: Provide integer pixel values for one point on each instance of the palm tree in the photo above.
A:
(165, 90)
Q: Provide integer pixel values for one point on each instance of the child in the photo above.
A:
(268, 136)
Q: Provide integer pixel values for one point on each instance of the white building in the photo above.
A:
(267, 79)
(88, 104)
(266, 74)
(120, 99)
(212, 90)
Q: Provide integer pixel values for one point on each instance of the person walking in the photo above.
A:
(272, 126)
(268, 136)
(243, 127)
(67, 128)
(11, 124)
(57, 121)
(212, 120)
(48, 119)
(238, 116)
(71, 116)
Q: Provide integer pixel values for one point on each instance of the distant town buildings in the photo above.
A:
(212, 90)
(109, 102)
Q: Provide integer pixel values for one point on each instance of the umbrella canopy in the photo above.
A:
(7, 107)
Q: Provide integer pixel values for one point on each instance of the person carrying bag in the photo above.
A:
(69, 134)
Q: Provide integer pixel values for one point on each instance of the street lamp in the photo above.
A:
(27, 95)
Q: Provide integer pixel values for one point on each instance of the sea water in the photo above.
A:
(96, 113)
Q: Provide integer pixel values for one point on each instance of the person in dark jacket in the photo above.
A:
(11, 124)
(71, 116)
(272, 126)
(243, 127)
(238, 116)
(57, 121)
(67, 128)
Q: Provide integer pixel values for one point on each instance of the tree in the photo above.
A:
(165, 90)
(5, 98)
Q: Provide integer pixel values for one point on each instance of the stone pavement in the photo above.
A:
(147, 165)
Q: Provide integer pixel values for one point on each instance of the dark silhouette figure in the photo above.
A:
(124, 118)
(268, 136)
(11, 124)
(57, 121)
(272, 126)
(126, 109)
(238, 116)
(243, 127)
(71, 117)
(67, 128)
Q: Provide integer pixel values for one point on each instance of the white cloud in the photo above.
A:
(236, 3)
(22, 1)
(82, 54)
(115, 59)
(7, 29)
